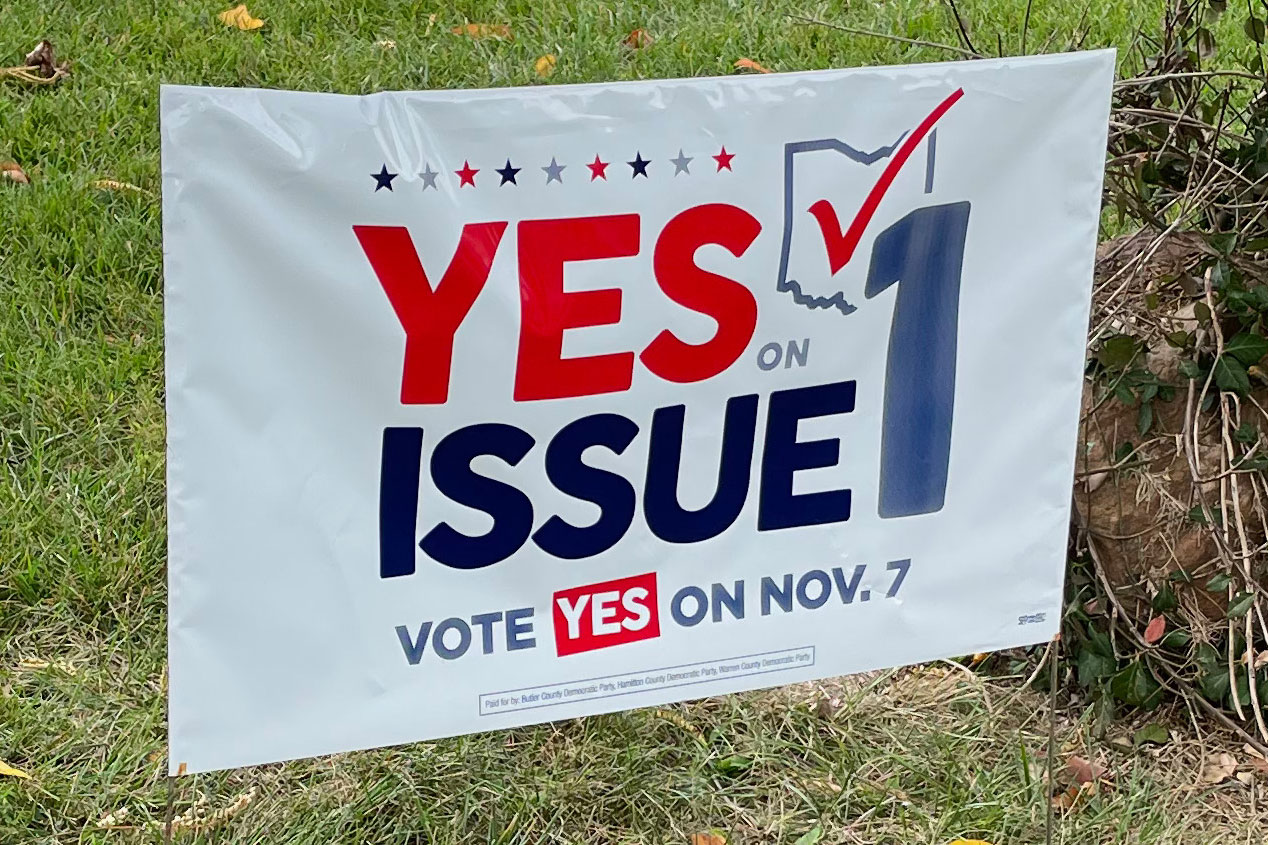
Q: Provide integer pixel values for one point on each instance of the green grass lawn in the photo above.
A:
(82, 532)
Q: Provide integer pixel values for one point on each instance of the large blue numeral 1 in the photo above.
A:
(925, 252)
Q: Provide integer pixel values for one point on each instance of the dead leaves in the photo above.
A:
(750, 65)
(1219, 768)
(499, 31)
(545, 65)
(114, 185)
(41, 67)
(638, 40)
(1084, 778)
(1155, 629)
(11, 171)
(199, 817)
(240, 18)
(10, 771)
(709, 837)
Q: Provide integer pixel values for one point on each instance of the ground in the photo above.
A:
(921, 756)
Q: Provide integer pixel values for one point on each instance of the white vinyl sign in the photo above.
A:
(495, 407)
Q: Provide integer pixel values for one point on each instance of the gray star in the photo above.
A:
(429, 178)
(680, 163)
(554, 171)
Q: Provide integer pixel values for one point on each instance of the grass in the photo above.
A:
(924, 758)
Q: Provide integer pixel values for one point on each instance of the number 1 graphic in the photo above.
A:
(923, 251)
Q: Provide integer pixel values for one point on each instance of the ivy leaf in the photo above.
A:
(1241, 603)
(1203, 312)
(1214, 683)
(810, 837)
(1196, 514)
(1152, 733)
(1145, 418)
(1136, 686)
(1178, 638)
(1230, 374)
(1246, 433)
(1218, 583)
(1255, 29)
(1092, 666)
(1247, 347)
(733, 764)
(1190, 369)
(1178, 339)
(1165, 600)
(1118, 351)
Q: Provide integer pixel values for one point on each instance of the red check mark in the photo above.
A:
(840, 245)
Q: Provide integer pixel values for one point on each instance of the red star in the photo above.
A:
(467, 174)
(598, 170)
(724, 159)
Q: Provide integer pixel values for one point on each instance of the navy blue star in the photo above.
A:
(639, 165)
(383, 179)
(508, 173)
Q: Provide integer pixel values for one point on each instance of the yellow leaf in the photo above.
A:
(115, 185)
(484, 30)
(545, 65)
(709, 837)
(749, 64)
(6, 769)
(239, 16)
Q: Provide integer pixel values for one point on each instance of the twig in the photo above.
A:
(1025, 26)
(919, 42)
(30, 74)
(964, 30)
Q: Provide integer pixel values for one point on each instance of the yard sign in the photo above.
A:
(488, 408)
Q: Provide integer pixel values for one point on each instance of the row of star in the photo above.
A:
(554, 171)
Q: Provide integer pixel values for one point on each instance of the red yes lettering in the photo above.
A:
(430, 317)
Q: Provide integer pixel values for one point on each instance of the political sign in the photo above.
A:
(488, 408)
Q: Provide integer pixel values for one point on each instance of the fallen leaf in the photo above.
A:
(749, 64)
(6, 769)
(484, 30)
(1084, 771)
(709, 837)
(1155, 629)
(638, 39)
(978, 657)
(1245, 778)
(44, 63)
(239, 16)
(545, 65)
(11, 171)
(1259, 764)
(1151, 733)
(1219, 768)
(1074, 796)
